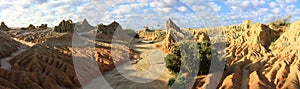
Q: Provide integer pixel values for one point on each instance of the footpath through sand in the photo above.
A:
(149, 72)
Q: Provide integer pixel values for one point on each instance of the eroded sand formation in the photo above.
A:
(262, 56)
(49, 63)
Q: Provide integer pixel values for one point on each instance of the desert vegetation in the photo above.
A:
(190, 58)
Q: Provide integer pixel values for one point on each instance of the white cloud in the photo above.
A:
(291, 1)
(163, 10)
(276, 10)
(290, 9)
(163, 3)
(214, 6)
(273, 5)
(122, 9)
(142, 12)
(260, 12)
(182, 8)
(246, 3)
(192, 2)
(258, 2)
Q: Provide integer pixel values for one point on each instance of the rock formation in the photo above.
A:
(43, 26)
(173, 35)
(83, 26)
(152, 35)
(174, 31)
(65, 26)
(283, 69)
(108, 29)
(250, 32)
(4, 27)
(31, 27)
(257, 57)
(248, 46)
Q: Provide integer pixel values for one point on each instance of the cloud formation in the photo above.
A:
(153, 13)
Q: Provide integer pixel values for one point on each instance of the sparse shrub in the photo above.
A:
(190, 58)
(205, 57)
(173, 61)
(171, 81)
(179, 82)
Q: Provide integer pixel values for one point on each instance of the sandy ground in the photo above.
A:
(148, 73)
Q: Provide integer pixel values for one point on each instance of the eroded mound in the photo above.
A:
(7, 46)
(26, 80)
(259, 57)
(49, 62)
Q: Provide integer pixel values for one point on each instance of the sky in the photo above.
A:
(136, 14)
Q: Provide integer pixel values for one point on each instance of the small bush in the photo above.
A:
(173, 61)
(171, 81)
(179, 82)
(185, 57)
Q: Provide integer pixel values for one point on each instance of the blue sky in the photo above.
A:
(153, 13)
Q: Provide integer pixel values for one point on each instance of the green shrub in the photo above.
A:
(205, 57)
(173, 61)
(180, 82)
(185, 55)
(171, 81)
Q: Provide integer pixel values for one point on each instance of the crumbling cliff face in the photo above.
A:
(250, 32)
(65, 26)
(258, 57)
(284, 68)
